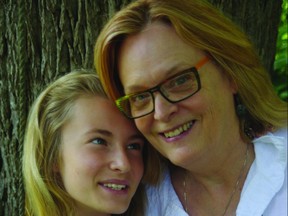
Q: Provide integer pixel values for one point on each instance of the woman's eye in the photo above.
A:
(135, 146)
(140, 99)
(181, 80)
(98, 141)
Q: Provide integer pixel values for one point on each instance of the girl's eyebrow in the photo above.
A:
(137, 136)
(110, 134)
(101, 131)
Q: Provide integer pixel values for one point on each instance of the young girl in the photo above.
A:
(81, 155)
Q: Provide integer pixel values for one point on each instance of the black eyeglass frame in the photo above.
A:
(158, 88)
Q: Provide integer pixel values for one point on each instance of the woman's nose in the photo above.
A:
(163, 110)
(120, 161)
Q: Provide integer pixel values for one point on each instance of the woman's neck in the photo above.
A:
(214, 188)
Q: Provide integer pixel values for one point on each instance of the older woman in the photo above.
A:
(196, 89)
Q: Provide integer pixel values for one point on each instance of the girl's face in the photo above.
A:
(101, 156)
(195, 129)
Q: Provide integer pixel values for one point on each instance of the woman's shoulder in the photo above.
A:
(268, 172)
(277, 138)
(282, 132)
(162, 198)
(156, 195)
(163, 185)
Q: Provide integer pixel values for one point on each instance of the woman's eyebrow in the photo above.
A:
(168, 73)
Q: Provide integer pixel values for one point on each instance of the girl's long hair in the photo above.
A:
(45, 194)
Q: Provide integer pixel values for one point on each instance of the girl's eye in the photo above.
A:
(98, 141)
(135, 146)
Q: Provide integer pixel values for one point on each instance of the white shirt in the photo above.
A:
(265, 188)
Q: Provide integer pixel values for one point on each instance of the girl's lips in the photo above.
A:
(113, 189)
(115, 184)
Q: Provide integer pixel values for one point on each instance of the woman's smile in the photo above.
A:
(178, 132)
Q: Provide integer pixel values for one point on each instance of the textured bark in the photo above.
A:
(39, 41)
(260, 20)
(44, 39)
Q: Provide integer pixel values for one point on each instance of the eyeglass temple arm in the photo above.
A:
(201, 62)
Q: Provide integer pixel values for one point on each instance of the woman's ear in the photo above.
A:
(233, 86)
(56, 168)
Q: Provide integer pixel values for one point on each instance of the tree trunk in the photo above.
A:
(41, 40)
(260, 20)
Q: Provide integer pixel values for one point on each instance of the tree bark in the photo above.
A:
(260, 20)
(41, 40)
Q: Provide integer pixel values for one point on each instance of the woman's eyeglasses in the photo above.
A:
(175, 89)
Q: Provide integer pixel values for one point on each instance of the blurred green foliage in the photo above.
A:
(280, 75)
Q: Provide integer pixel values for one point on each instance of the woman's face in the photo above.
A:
(195, 128)
(101, 156)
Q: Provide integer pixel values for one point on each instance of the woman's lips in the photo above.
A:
(179, 130)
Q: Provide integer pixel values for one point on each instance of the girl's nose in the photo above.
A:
(120, 161)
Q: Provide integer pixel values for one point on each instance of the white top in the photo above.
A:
(264, 192)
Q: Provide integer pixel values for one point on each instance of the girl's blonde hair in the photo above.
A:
(202, 26)
(45, 194)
